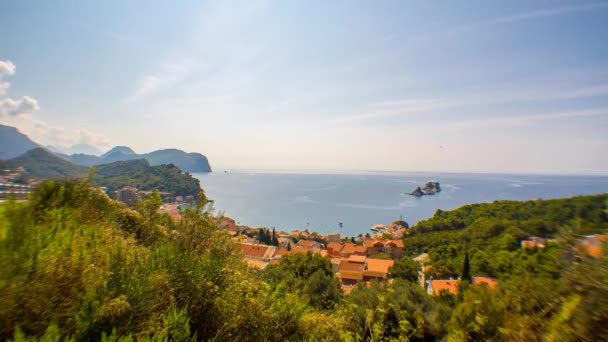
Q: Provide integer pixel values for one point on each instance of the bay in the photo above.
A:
(318, 202)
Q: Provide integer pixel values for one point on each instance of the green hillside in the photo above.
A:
(40, 163)
(138, 173)
(491, 232)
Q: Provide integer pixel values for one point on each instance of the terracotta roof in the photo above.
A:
(379, 265)
(335, 246)
(349, 248)
(305, 243)
(301, 249)
(257, 251)
(450, 285)
(370, 243)
(345, 265)
(593, 245)
(491, 282)
(360, 250)
(335, 261)
(357, 258)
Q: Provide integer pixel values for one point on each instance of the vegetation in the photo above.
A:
(40, 163)
(75, 264)
(139, 173)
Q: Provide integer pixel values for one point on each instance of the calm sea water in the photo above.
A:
(320, 201)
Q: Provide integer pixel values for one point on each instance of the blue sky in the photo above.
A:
(483, 86)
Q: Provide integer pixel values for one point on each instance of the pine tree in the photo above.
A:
(289, 246)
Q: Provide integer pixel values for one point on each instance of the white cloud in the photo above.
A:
(6, 68)
(4, 87)
(12, 107)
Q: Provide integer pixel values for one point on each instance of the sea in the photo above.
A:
(320, 202)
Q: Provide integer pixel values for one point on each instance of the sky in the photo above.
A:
(453, 86)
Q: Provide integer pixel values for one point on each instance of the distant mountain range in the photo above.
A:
(13, 143)
(41, 163)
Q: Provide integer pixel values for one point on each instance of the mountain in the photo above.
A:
(119, 149)
(189, 162)
(40, 163)
(83, 149)
(14, 143)
(138, 173)
(84, 159)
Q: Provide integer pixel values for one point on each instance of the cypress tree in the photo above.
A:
(466, 269)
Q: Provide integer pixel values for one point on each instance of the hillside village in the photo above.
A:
(368, 258)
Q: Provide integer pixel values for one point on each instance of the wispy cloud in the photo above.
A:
(421, 105)
(167, 76)
(529, 15)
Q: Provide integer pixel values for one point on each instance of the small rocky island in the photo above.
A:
(429, 188)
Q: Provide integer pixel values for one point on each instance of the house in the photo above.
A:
(352, 249)
(490, 282)
(593, 245)
(422, 258)
(394, 248)
(350, 272)
(333, 249)
(436, 287)
(256, 255)
(533, 242)
(377, 269)
(357, 268)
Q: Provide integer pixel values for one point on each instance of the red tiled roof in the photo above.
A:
(357, 258)
(348, 248)
(257, 251)
(379, 265)
(450, 285)
(345, 265)
(491, 282)
(360, 250)
(335, 246)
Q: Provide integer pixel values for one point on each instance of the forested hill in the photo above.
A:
(40, 163)
(138, 173)
(491, 233)
(538, 217)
